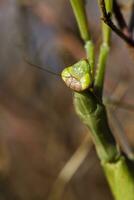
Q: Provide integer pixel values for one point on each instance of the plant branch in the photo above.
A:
(79, 10)
(70, 168)
(106, 17)
(131, 22)
(119, 17)
(120, 104)
(104, 50)
(78, 7)
(121, 135)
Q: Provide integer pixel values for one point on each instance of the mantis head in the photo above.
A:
(78, 76)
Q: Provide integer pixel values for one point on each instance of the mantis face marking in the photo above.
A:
(78, 76)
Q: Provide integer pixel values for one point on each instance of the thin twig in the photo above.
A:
(131, 22)
(70, 168)
(120, 19)
(121, 135)
(119, 103)
(106, 17)
(119, 92)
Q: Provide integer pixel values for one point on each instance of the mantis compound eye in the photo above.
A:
(78, 76)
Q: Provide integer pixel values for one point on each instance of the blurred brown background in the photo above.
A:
(39, 130)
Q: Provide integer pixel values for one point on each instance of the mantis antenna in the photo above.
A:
(41, 68)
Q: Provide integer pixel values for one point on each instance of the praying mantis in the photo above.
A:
(87, 85)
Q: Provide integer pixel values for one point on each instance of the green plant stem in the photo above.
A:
(80, 14)
(105, 28)
(100, 73)
(89, 47)
(81, 18)
(104, 50)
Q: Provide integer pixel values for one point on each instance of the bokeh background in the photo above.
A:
(45, 151)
